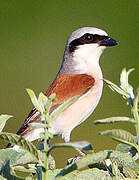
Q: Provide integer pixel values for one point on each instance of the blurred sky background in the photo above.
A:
(33, 35)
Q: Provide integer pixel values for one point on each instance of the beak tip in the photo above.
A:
(108, 42)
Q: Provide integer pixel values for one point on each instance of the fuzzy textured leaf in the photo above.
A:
(11, 155)
(89, 174)
(48, 105)
(113, 120)
(63, 106)
(2, 178)
(5, 171)
(97, 159)
(121, 136)
(130, 173)
(42, 99)
(34, 100)
(24, 169)
(82, 145)
(117, 89)
(20, 141)
(126, 149)
(124, 84)
(135, 109)
(3, 120)
(37, 125)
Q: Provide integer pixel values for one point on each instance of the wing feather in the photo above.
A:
(65, 86)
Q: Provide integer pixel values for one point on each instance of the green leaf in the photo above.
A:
(82, 145)
(135, 109)
(5, 171)
(52, 97)
(130, 173)
(26, 158)
(123, 148)
(115, 168)
(127, 149)
(97, 159)
(117, 89)
(52, 173)
(88, 174)
(20, 141)
(124, 84)
(48, 105)
(38, 125)
(22, 158)
(114, 119)
(136, 168)
(3, 119)
(23, 169)
(42, 99)
(112, 168)
(2, 178)
(9, 154)
(35, 100)
(121, 136)
(125, 89)
(63, 106)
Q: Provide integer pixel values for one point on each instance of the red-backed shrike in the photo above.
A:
(79, 74)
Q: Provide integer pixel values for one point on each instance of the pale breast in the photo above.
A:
(77, 112)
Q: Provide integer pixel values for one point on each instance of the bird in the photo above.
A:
(80, 75)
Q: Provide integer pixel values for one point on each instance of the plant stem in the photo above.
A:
(47, 119)
(46, 147)
(136, 114)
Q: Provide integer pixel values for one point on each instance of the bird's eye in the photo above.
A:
(88, 37)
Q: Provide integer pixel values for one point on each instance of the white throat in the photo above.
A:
(86, 59)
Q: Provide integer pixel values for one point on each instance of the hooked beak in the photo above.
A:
(108, 42)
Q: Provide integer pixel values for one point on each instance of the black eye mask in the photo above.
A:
(86, 39)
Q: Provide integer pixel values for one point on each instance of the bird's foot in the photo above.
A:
(73, 160)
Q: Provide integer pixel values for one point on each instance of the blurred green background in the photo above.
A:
(33, 34)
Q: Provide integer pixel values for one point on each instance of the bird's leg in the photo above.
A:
(72, 160)
(66, 138)
(81, 152)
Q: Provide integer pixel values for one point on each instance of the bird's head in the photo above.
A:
(85, 46)
(89, 42)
